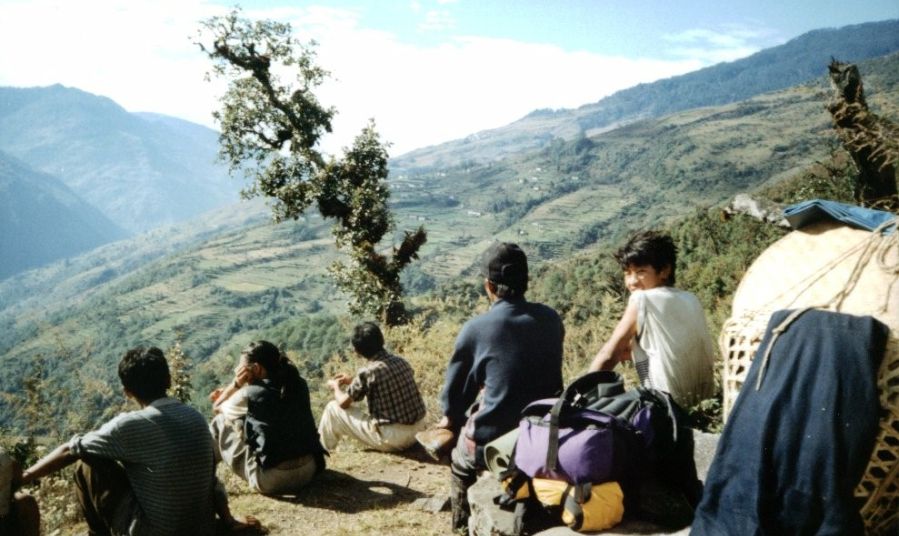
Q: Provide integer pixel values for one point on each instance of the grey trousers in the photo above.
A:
(231, 447)
(467, 461)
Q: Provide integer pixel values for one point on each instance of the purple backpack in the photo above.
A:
(561, 440)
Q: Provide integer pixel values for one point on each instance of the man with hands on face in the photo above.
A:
(264, 429)
(396, 411)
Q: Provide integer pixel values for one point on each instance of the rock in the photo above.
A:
(759, 209)
(704, 449)
(487, 519)
(432, 504)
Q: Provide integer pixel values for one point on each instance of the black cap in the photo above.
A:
(506, 264)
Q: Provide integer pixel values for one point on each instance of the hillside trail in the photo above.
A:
(361, 492)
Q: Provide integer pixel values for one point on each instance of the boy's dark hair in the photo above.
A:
(144, 372)
(649, 248)
(368, 339)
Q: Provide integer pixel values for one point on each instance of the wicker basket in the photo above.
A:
(846, 270)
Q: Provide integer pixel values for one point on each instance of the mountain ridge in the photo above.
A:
(139, 170)
(43, 220)
(799, 60)
(217, 288)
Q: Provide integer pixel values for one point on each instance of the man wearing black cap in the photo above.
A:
(503, 360)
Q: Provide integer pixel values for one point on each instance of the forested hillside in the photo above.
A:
(567, 205)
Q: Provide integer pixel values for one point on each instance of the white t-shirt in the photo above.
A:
(673, 351)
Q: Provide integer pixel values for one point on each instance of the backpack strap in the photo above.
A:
(513, 483)
(584, 417)
(608, 383)
(593, 384)
(573, 499)
(552, 450)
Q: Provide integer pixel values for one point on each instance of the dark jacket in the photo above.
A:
(514, 352)
(280, 429)
(793, 451)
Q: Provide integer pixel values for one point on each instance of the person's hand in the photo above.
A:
(242, 376)
(444, 423)
(215, 394)
(244, 525)
(342, 379)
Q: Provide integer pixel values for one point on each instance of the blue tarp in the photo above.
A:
(807, 212)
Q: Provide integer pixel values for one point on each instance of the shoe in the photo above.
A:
(437, 442)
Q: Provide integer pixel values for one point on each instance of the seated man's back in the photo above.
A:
(516, 357)
(502, 360)
(396, 411)
(166, 451)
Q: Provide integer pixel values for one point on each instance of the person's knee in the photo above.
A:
(216, 425)
(81, 474)
(91, 473)
(334, 414)
(333, 407)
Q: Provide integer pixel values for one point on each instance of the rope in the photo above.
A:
(890, 242)
(869, 247)
(876, 243)
(875, 246)
(775, 334)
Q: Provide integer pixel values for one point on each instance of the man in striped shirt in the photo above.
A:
(396, 411)
(145, 472)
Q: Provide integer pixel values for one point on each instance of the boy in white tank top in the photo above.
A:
(663, 329)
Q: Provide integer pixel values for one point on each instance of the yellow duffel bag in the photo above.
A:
(583, 507)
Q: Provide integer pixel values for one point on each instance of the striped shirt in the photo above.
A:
(166, 451)
(389, 384)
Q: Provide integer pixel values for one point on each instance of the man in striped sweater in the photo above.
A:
(145, 472)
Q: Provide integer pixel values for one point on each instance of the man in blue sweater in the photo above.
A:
(503, 360)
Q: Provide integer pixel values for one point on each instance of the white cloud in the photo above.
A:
(423, 96)
(437, 20)
(729, 43)
(139, 54)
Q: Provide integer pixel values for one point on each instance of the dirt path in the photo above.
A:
(362, 492)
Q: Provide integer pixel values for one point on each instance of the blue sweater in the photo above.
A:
(514, 352)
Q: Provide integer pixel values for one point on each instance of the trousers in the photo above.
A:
(352, 422)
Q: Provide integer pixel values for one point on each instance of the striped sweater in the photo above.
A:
(166, 451)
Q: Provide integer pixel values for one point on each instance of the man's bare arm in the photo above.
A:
(618, 347)
(56, 460)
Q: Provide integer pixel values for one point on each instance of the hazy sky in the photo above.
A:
(428, 71)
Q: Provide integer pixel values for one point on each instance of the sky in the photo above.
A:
(427, 71)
